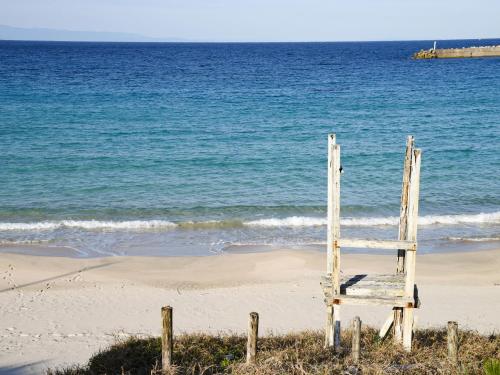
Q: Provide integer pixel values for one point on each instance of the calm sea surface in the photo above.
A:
(171, 149)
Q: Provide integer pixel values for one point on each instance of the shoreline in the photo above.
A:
(425, 248)
(59, 311)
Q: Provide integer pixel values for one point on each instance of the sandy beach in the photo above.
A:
(58, 311)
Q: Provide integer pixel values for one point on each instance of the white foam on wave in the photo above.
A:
(292, 221)
(482, 218)
(474, 239)
(304, 221)
(89, 225)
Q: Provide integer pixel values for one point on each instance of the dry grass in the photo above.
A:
(299, 353)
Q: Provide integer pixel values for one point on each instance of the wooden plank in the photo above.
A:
(253, 332)
(166, 337)
(410, 258)
(356, 339)
(373, 292)
(357, 300)
(369, 287)
(378, 244)
(386, 326)
(367, 291)
(367, 279)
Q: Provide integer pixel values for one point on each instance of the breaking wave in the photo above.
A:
(292, 221)
(300, 221)
(474, 239)
(89, 225)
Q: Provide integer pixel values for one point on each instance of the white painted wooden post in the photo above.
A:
(329, 334)
(402, 234)
(332, 334)
(410, 258)
(403, 214)
(336, 236)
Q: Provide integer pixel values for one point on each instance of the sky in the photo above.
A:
(264, 20)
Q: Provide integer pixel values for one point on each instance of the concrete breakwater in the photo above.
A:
(448, 53)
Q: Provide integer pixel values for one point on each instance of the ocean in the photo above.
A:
(200, 149)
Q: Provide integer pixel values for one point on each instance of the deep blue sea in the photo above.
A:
(197, 149)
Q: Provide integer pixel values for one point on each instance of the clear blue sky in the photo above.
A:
(264, 20)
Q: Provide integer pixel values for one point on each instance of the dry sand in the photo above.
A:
(57, 311)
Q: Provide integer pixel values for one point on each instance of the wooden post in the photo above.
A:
(330, 233)
(335, 229)
(253, 331)
(356, 339)
(332, 332)
(403, 214)
(453, 342)
(403, 231)
(410, 257)
(166, 337)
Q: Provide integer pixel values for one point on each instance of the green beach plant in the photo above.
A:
(492, 367)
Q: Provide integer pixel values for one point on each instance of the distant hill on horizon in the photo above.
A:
(45, 34)
(61, 35)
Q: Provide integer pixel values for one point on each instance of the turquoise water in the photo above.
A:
(171, 149)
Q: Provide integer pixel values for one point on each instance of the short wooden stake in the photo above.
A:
(167, 337)
(453, 342)
(253, 332)
(356, 339)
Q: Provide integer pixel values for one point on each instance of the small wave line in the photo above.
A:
(291, 221)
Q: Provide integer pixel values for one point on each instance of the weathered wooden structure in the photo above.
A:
(396, 290)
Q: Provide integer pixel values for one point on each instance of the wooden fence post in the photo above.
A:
(166, 337)
(253, 332)
(356, 339)
(453, 342)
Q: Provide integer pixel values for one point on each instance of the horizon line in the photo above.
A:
(194, 41)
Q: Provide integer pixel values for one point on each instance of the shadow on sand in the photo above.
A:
(23, 369)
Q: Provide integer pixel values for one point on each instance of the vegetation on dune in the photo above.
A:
(298, 353)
